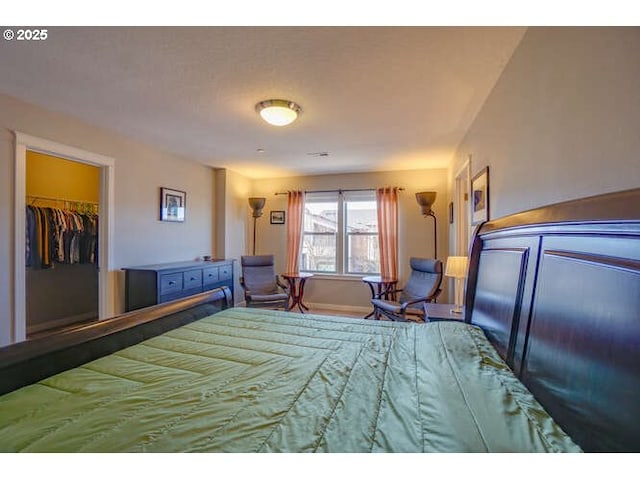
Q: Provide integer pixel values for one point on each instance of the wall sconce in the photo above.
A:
(256, 204)
(425, 200)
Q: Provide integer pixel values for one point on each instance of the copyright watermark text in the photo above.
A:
(26, 34)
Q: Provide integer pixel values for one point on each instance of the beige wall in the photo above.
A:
(54, 177)
(232, 191)
(6, 235)
(562, 120)
(140, 238)
(415, 232)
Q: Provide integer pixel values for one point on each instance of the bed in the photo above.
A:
(547, 362)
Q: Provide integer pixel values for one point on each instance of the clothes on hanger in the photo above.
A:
(60, 235)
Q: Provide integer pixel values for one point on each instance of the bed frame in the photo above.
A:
(557, 291)
(28, 362)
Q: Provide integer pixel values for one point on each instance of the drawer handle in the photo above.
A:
(192, 279)
(210, 275)
(172, 283)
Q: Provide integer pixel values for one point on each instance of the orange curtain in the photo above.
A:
(387, 200)
(295, 212)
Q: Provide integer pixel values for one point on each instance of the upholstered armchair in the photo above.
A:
(261, 285)
(423, 286)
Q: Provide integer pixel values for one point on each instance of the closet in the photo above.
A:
(61, 242)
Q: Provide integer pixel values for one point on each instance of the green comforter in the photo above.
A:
(260, 381)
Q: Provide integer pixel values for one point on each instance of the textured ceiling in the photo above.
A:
(374, 98)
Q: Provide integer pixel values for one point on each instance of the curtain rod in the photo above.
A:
(339, 190)
(38, 197)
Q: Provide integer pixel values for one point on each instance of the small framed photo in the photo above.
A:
(277, 217)
(173, 205)
(480, 197)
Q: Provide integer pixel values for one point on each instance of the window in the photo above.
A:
(361, 234)
(320, 235)
(340, 233)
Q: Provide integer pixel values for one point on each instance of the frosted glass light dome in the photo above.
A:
(278, 112)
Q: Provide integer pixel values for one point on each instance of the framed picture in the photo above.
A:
(480, 197)
(173, 205)
(277, 217)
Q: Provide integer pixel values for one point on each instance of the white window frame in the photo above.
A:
(341, 234)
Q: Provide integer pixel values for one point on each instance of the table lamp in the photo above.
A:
(457, 268)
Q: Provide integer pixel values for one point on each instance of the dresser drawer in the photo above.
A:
(209, 275)
(192, 279)
(170, 283)
(225, 272)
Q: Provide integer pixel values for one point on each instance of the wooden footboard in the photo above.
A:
(27, 362)
(557, 291)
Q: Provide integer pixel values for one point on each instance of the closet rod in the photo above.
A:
(339, 190)
(39, 197)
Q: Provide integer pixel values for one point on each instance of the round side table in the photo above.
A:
(296, 283)
(381, 287)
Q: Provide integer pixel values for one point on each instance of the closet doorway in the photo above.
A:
(63, 226)
(62, 248)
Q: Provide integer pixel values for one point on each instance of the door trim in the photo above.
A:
(462, 213)
(106, 280)
(462, 220)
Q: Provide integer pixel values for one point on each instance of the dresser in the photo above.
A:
(152, 284)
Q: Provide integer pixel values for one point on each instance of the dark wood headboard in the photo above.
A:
(557, 291)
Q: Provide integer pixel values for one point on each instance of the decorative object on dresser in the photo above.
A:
(152, 284)
(256, 204)
(480, 197)
(457, 268)
(425, 200)
(173, 205)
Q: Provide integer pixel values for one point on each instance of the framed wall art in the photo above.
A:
(173, 205)
(480, 197)
(277, 217)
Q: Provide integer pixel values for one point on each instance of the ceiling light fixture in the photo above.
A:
(278, 112)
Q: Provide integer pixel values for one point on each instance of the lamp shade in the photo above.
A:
(456, 267)
(257, 204)
(425, 200)
(278, 112)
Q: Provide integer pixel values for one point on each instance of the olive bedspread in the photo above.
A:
(246, 380)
